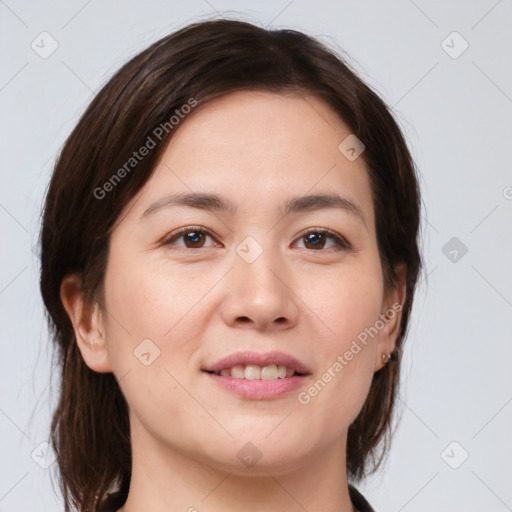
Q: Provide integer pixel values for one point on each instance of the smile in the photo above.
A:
(255, 372)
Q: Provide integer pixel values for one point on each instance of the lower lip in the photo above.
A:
(258, 389)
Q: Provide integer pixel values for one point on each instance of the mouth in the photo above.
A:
(258, 376)
(252, 365)
(255, 372)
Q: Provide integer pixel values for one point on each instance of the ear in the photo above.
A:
(391, 316)
(87, 323)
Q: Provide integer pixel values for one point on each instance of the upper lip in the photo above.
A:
(265, 359)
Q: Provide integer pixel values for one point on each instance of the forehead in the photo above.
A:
(259, 124)
(258, 149)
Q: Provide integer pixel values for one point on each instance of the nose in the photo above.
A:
(260, 294)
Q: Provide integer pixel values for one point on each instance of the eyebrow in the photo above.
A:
(220, 204)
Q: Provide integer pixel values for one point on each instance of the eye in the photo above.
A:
(193, 237)
(315, 239)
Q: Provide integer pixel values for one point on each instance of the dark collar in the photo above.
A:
(358, 500)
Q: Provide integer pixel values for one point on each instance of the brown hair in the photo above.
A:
(90, 429)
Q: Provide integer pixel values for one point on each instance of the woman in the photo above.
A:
(229, 258)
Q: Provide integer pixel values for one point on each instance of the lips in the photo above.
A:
(255, 376)
(262, 360)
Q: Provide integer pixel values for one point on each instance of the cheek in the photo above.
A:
(152, 299)
(150, 340)
(349, 306)
(350, 303)
(147, 328)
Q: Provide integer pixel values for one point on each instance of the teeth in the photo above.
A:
(237, 372)
(269, 372)
(252, 372)
(255, 372)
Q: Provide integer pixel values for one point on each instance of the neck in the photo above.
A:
(165, 479)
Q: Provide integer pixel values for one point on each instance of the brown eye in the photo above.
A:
(317, 238)
(193, 238)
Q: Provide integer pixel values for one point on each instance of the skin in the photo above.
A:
(202, 303)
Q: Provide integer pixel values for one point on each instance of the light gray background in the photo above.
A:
(457, 116)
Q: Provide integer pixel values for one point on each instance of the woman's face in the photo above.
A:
(261, 279)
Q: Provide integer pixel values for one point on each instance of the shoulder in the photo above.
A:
(358, 500)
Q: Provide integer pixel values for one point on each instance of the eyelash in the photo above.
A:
(342, 243)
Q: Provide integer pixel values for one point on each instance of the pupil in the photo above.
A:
(315, 239)
(193, 237)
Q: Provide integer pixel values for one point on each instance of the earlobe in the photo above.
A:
(392, 313)
(87, 323)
